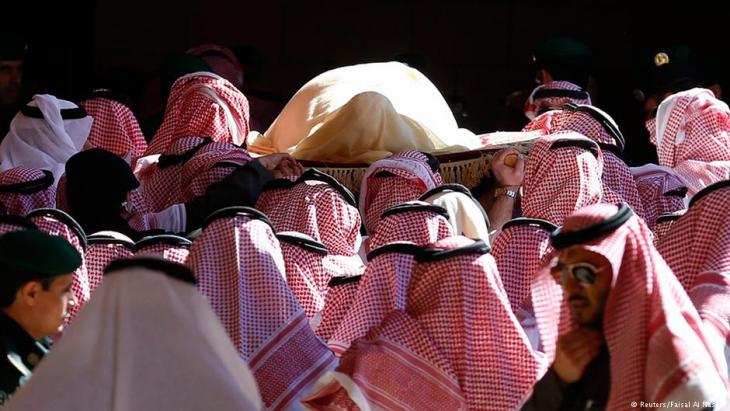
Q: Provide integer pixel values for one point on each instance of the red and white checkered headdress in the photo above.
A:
(382, 289)
(692, 136)
(463, 210)
(395, 366)
(655, 338)
(115, 129)
(598, 126)
(306, 273)
(399, 178)
(337, 303)
(553, 95)
(697, 248)
(238, 263)
(187, 169)
(103, 248)
(664, 223)
(457, 299)
(166, 246)
(275, 194)
(161, 182)
(520, 251)
(57, 222)
(23, 189)
(211, 164)
(319, 206)
(661, 190)
(202, 104)
(415, 222)
(562, 174)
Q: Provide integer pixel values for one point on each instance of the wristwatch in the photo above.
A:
(510, 192)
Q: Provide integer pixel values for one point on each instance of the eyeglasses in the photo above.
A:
(584, 273)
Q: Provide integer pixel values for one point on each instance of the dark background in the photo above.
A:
(476, 52)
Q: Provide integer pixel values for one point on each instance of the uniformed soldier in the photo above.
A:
(35, 294)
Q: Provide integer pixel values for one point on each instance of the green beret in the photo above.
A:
(12, 47)
(557, 49)
(35, 254)
(667, 69)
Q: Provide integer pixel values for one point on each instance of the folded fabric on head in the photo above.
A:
(23, 189)
(691, 137)
(45, 134)
(238, 263)
(175, 354)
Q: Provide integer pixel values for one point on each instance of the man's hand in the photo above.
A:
(281, 165)
(574, 351)
(508, 168)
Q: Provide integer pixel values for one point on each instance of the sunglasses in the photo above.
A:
(584, 273)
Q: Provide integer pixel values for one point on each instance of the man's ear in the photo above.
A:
(28, 292)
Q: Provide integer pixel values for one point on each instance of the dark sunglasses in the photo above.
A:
(584, 273)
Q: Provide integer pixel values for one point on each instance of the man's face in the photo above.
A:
(50, 307)
(586, 295)
(11, 79)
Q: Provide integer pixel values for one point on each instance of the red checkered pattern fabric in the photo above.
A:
(520, 251)
(179, 183)
(382, 289)
(202, 104)
(137, 212)
(661, 228)
(100, 253)
(23, 203)
(337, 304)
(115, 129)
(417, 227)
(411, 177)
(693, 137)
(650, 125)
(306, 275)
(175, 253)
(535, 106)
(396, 366)
(699, 242)
(206, 168)
(616, 174)
(654, 335)
(166, 252)
(460, 303)
(318, 210)
(661, 191)
(240, 269)
(559, 181)
(271, 198)
(80, 286)
(159, 186)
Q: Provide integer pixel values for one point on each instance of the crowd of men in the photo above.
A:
(205, 268)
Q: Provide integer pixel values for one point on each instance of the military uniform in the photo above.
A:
(19, 354)
(26, 255)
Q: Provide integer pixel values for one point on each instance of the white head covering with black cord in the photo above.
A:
(45, 134)
(148, 340)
